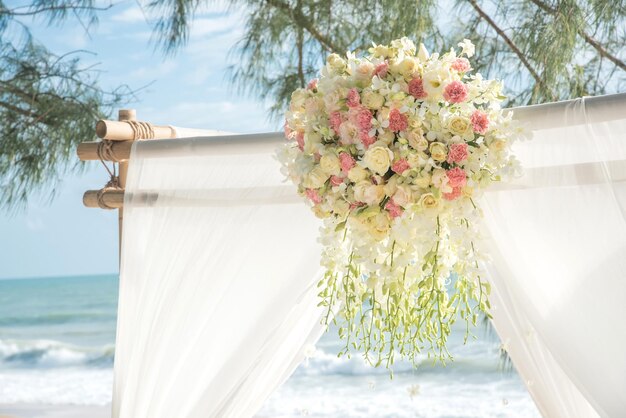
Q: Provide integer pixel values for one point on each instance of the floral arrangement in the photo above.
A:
(392, 151)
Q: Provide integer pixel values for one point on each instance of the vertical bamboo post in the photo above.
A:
(123, 114)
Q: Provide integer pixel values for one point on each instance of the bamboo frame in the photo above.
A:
(120, 151)
(112, 198)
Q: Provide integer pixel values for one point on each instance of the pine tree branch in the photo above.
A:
(588, 38)
(511, 45)
(302, 21)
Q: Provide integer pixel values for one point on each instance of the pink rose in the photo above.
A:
(366, 139)
(456, 177)
(480, 121)
(354, 99)
(455, 193)
(313, 195)
(300, 140)
(455, 92)
(336, 180)
(397, 121)
(312, 84)
(457, 153)
(346, 161)
(461, 65)
(381, 70)
(416, 88)
(335, 121)
(393, 209)
(400, 166)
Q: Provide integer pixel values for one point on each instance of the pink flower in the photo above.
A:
(381, 70)
(313, 195)
(461, 65)
(456, 192)
(456, 177)
(397, 121)
(354, 99)
(336, 180)
(393, 209)
(366, 139)
(346, 161)
(300, 140)
(455, 92)
(480, 121)
(335, 121)
(457, 153)
(364, 119)
(416, 88)
(400, 166)
(312, 84)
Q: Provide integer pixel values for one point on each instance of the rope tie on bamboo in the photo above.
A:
(105, 152)
(141, 130)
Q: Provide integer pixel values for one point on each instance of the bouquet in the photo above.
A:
(392, 151)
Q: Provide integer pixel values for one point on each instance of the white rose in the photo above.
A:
(403, 195)
(459, 125)
(372, 100)
(357, 174)
(330, 164)
(438, 151)
(369, 193)
(316, 178)
(428, 201)
(378, 159)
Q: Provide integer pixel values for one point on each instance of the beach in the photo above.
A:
(57, 340)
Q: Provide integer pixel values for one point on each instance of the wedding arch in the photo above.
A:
(219, 264)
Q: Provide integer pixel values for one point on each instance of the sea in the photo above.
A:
(57, 345)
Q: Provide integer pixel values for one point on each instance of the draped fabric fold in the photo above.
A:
(217, 297)
(558, 242)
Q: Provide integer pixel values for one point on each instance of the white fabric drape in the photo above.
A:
(217, 283)
(220, 261)
(558, 240)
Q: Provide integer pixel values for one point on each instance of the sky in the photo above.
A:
(190, 89)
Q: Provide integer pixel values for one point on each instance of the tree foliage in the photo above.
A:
(544, 50)
(48, 103)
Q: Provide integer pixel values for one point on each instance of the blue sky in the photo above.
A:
(189, 90)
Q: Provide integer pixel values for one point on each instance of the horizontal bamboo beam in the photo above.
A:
(118, 151)
(105, 199)
(124, 131)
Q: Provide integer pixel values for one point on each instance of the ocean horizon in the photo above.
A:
(57, 346)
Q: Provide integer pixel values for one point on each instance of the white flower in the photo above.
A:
(378, 159)
(357, 174)
(468, 47)
(330, 164)
(316, 178)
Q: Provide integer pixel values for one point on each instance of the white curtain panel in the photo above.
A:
(558, 241)
(217, 284)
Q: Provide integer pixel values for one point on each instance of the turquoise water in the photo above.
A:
(57, 339)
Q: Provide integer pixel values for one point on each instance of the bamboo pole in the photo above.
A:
(111, 198)
(122, 131)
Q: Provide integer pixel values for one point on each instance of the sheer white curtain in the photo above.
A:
(217, 287)
(558, 239)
